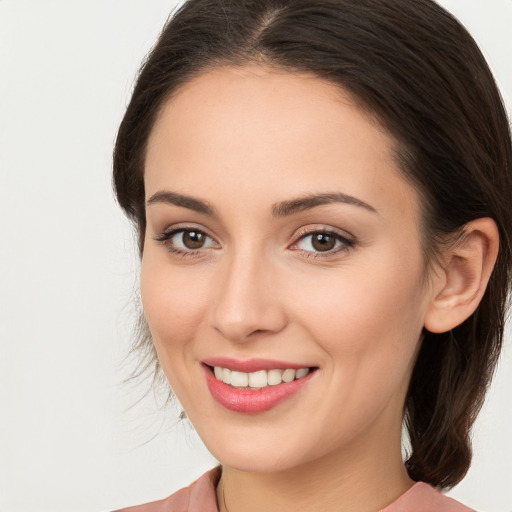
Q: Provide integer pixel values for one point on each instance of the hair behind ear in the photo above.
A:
(438, 434)
(456, 359)
(446, 393)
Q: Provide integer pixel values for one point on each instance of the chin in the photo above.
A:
(256, 462)
(258, 452)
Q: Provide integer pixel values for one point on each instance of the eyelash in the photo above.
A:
(346, 243)
(166, 236)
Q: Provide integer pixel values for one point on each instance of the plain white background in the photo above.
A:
(69, 270)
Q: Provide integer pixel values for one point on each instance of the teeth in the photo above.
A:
(259, 379)
(274, 377)
(288, 375)
(239, 379)
(302, 372)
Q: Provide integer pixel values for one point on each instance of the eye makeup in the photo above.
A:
(315, 242)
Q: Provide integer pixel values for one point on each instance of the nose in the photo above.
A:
(246, 303)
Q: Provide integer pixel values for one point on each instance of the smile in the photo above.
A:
(259, 379)
(257, 390)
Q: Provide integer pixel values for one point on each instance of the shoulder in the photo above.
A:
(425, 498)
(199, 496)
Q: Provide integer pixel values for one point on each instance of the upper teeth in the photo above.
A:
(259, 379)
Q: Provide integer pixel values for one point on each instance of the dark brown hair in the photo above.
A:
(417, 70)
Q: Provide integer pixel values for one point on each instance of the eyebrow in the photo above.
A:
(281, 209)
(307, 202)
(189, 202)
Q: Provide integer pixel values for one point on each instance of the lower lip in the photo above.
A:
(252, 400)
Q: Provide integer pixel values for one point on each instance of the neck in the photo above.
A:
(352, 481)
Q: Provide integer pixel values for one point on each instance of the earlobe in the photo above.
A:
(464, 276)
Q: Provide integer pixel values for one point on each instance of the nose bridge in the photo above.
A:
(245, 302)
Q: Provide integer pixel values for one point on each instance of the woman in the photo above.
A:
(322, 193)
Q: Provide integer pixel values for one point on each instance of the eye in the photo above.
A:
(322, 241)
(186, 241)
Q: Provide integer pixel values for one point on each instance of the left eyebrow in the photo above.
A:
(307, 202)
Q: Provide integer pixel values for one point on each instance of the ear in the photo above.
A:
(462, 279)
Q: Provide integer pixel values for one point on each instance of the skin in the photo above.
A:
(243, 139)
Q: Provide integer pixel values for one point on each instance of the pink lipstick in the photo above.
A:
(284, 381)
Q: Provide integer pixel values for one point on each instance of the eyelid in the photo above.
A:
(166, 235)
(323, 228)
(176, 228)
(348, 240)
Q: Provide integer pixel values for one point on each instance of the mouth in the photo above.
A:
(258, 379)
(258, 390)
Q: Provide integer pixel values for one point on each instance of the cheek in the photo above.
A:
(173, 302)
(368, 324)
(174, 305)
(366, 317)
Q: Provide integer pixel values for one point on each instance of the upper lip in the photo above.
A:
(252, 365)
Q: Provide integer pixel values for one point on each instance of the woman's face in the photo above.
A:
(280, 236)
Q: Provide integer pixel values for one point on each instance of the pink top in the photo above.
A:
(201, 497)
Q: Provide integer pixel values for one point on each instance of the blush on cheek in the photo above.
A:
(363, 312)
(173, 304)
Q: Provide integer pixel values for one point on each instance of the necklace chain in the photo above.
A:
(224, 497)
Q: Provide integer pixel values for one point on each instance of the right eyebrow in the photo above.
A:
(176, 199)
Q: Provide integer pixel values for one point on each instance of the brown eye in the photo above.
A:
(190, 241)
(322, 242)
(326, 242)
(193, 239)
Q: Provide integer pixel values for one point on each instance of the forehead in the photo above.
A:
(266, 134)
